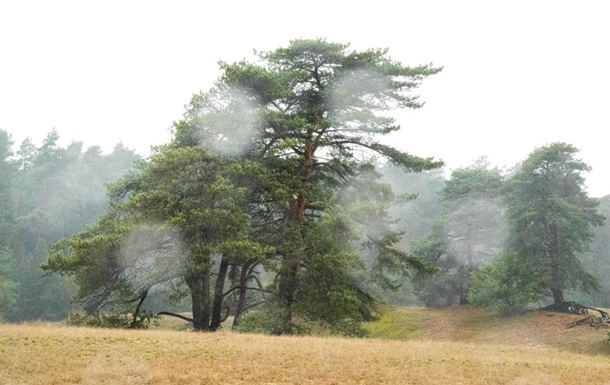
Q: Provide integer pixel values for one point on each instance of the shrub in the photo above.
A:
(119, 320)
(260, 322)
(507, 285)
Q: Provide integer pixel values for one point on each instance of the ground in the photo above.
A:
(407, 346)
(476, 325)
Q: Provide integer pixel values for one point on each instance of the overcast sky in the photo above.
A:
(517, 74)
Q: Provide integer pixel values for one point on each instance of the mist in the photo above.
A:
(230, 124)
(49, 192)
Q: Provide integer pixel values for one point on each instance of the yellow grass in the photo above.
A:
(437, 354)
(475, 325)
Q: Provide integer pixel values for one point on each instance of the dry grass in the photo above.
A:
(474, 325)
(458, 352)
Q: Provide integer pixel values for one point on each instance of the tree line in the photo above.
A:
(276, 204)
(509, 239)
(47, 192)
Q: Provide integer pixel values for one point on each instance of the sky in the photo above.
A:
(517, 75)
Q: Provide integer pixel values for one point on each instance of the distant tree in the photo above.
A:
(414, 210)
(7, 282)
(597, 258)
(8, 169)
(551, 218)
(474, 220)
(38, 203)
(469, 232)
(507, 285)
(54, 191)
(417, 206)
(26, 154)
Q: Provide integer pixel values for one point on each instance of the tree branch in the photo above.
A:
(175, 315)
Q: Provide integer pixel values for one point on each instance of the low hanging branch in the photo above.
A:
(175, 315)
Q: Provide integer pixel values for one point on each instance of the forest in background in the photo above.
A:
(51, 192)
(276, 203)
(47, 192)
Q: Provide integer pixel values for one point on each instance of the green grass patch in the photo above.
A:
(396, 324)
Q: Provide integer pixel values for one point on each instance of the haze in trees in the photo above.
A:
(551, 217)
(48, 192)
(597, 259)
(551, 221)
(268, 205)
(280, 141)
(8, 168)
(320, 128)
(469, 232)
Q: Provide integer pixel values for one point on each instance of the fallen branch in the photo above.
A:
(592, 321)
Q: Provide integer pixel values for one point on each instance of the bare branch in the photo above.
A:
(175, 315)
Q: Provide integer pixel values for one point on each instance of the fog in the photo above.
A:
(504, 89)
(230, 123)
(152, 253)
(316, 246)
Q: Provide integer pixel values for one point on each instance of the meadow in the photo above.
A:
(454, 346)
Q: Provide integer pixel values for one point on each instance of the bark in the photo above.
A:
(206, 300)
(219, 294)
(241, 302)
(194, 283)
(136, 313)
(199, 284)
(464, 297)
(288, 279)
(287, 296)
(287, 283)
(558, 297)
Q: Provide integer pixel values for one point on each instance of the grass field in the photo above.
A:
(457, 346)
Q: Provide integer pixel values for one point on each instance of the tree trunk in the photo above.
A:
(469, 245)
(219, 294)
(558, 296)
(194, 283)
(136, 313)
(241, 302)
(288, 276)
(464, 297)
(556, 278)
(287, 296)
(292, 263)
(206, 300)
(199, 284)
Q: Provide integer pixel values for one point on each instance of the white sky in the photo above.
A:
(517, 74)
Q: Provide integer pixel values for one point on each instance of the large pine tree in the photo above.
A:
(304, 124)
(319, 116)
(551, 218)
